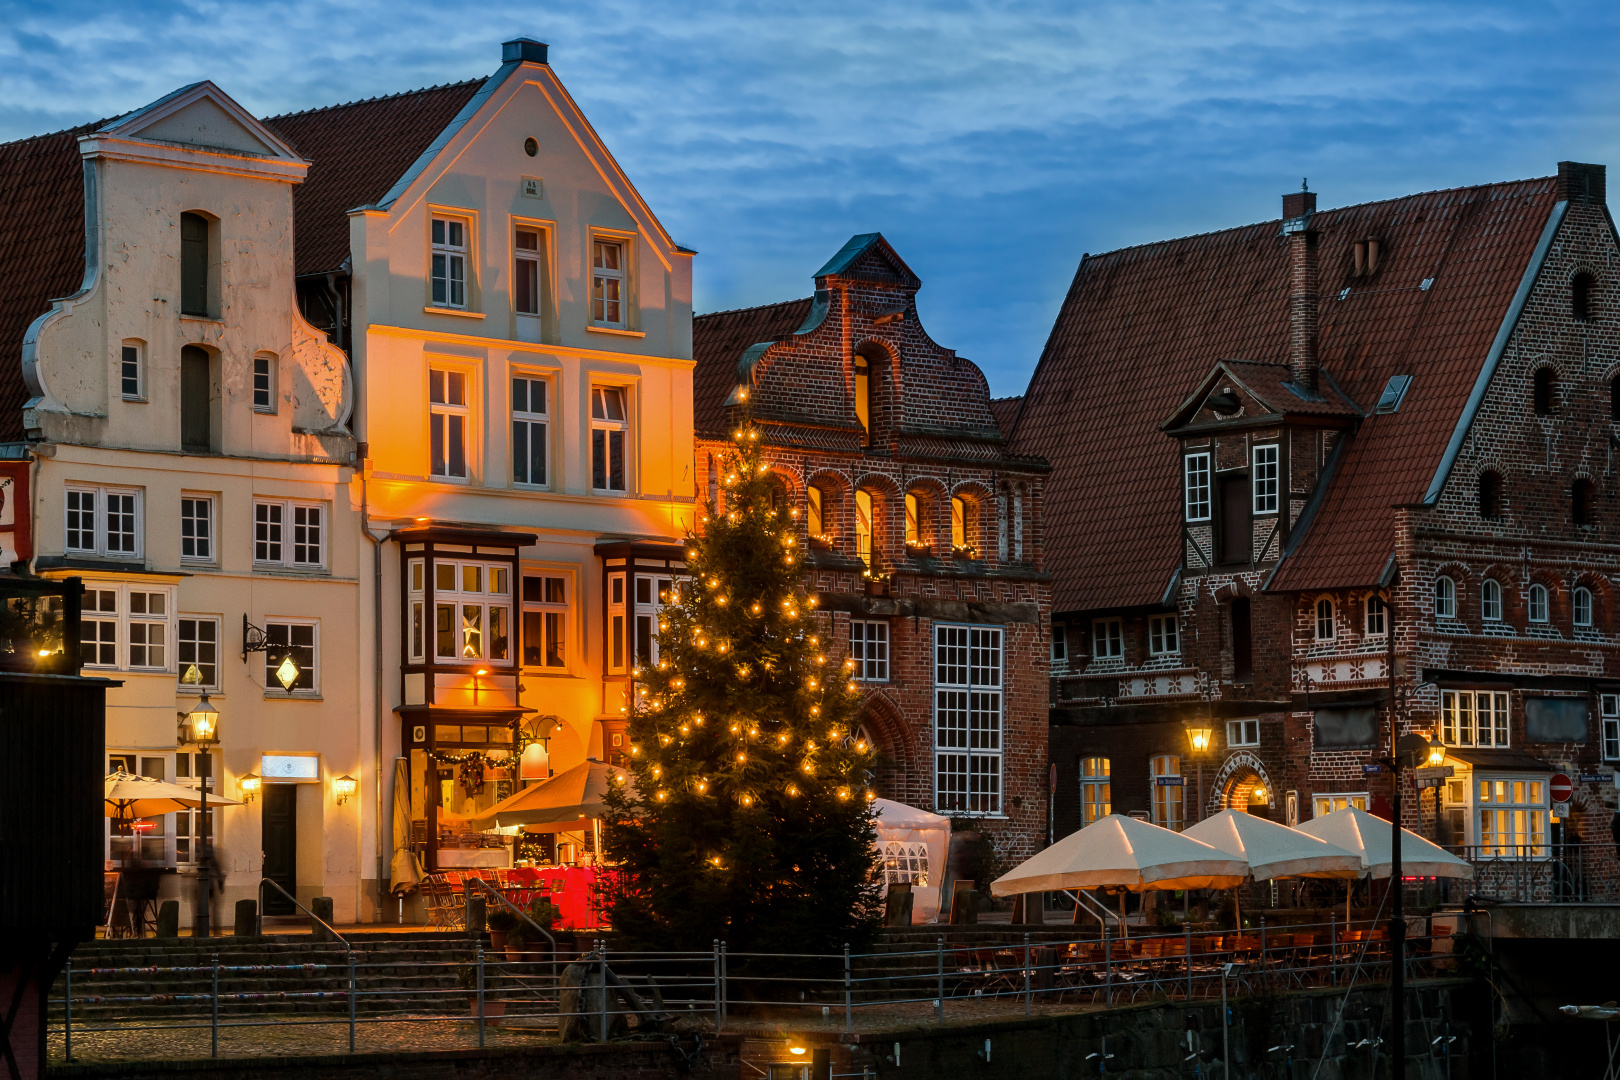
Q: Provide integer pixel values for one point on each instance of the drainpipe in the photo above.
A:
(376, 668)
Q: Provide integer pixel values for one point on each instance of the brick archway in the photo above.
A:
(1234, 780)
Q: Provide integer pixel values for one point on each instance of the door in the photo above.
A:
(196, 384)
(1236, 532)
(280, 845)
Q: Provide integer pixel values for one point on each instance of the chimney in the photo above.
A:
(520, 50)
(1298, 206)
(1580, 183)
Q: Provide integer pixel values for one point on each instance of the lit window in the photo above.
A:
(103, 521)
(903, 863)
(1196, 475)
(472, 617)
(863, 526)
(913, 521)
(1107, 639)
(1326, 804)
(1512, 816)
(1242, 733)
(297, 640)
(608, 429)
(1445, 598)
(192, 835)
(449, 262)
(863, 398)
(447, 422)
(1474, 718)
(652, 593)
(531, 420)
(545, 621)
(302, 547)
(967, 718)
(816, 520)
(1538, 603)
(130, 373)
(1490, 600)
(264, 383)
(197, 528)
(616, 626)
(1265, 479)
(197, 643)
(1377, 615)
(869, 648)
(965, 526)
(1167, 791)
(607, 283)
(1324, 620)
(1164, 635)
(1096, 790)
(1583, 606)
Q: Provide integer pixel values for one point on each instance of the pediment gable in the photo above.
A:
(202, 117)
(869, 257)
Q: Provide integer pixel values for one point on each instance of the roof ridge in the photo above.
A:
(753, 307)
(1090, 256)
(379, 97)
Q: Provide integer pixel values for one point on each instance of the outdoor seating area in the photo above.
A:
(571, 889)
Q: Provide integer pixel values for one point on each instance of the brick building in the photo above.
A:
(924, 533)
(1306, 434)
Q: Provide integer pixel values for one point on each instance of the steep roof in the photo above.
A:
(719, 339)
(356, 152)
(1142, 325)
(41, 247)
(1005, 410)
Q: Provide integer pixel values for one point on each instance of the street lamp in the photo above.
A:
(1200, 734)
(201, 729)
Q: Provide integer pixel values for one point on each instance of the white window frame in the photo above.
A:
(1375, 616)
(606, 280)
(649, 594)
(552, 613)
(1445, 597)
(618, 645)
(454, 257)
(1581, 608)
(126, 545)
(1164, 635)
(1519, 813)
(1460, 718)
(1609, 711)
(1327, 628)
(444, 417)
(1490, 600)
(1240, 733)
(1096, 789)
(604, 427)
(1196, 490)
(1060, 645)
(197, 645)
(869, 648)
(486, 601)
(286, 524)
(1169, 800)
(535, 260)
(1539, 607)
(968, 683)
(264, 382)
(187, 823)
(1325, 803)
(124, 621)
(132, 368)
(1266, 478)
(274, 655)
(530, 426)
(199, 528)
(1107, 639)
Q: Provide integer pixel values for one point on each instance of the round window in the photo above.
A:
(530, 146)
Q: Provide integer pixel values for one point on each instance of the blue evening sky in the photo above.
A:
(991, 143)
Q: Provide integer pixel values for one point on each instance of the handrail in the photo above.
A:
(1096, 910)
(259, 915)
(520, 913)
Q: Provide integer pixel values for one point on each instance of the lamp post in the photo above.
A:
(1200, 733)
(201, 729)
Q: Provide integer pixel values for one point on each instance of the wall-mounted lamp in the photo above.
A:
(249, 785)
(344, 788)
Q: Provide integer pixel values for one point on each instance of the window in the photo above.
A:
(472, 616)
(1544, 387)
(1164, 635)
(1326, 804)
(1609, 709)
(863, 526)
(305, 549)
(652, 593)
(1490, 496)
(1394, 393)
(297, 640)
(1060, 645)
(1580, 502)
(130, 371)
(607, 282)
(264, 383)
(126, 626)
(905, 862)
(1377, 615)
(194, 298)
(1583, 606)
(527, 270)
(197, 643)
(449, 262)
(545, 621)
(1445, 598)
(616, 624)
(869, 648)
(104, 521)
(863, 398)
(197, 528)
(1167, 791)
(1107, 639)
(914, 531)
(1614, 399)
(1265, 479)
(1196, 473)
(148, 628)
(530, 423)
(196, 399)
(1512, 816)
(1474, 718)
(191, 834)
(1580, 296)
(1490, 600)
(447, 422)
(967, 718)
(1324, 620)
(1242, 733)
(1538, 603)
(147, 844)
(1096, 790)
(608, 428)
(98, 631)
(965, 526)
(815, 511)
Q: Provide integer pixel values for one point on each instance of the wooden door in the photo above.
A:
(280, 845)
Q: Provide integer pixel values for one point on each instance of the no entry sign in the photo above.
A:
(1560, 787)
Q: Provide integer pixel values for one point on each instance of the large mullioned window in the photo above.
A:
(967, 718)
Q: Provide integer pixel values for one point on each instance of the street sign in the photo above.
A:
(1561, 787)
(1424, 783)
(1171, 781)
(1433, 776)
(1597, 778)
(1560, 810)
(1371, 770)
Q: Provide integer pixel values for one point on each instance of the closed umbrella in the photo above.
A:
(1274, 851)
(125, 796)
(403, 869)
(567, 800)
(1368, 836)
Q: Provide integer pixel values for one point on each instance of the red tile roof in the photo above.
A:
(1142, 325)
(718, 341)
(1005, 410)
(356, 152)
(41, 247)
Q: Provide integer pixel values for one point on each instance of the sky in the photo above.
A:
(992, 144)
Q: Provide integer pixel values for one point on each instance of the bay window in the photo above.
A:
(472, 611)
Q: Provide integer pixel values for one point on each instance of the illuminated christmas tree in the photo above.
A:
(751, 821)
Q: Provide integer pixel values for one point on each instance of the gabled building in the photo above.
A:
(924, 533)
(1326, 461)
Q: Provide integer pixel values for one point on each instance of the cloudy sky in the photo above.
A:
(991, 143)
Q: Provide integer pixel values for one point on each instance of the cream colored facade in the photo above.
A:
(118, 499)
(521, 159)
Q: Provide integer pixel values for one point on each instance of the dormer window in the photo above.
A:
(1195, 471)
(1324, 620)
(1107, 639)
(1265, 478)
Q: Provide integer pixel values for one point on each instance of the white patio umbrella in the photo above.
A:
(1275, 851)
(568, 801)
(126, 796)
(1368, 836)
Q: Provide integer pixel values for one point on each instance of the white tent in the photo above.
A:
(914, 843)
(1273, 850)
(1369, 837)
(1123, 852)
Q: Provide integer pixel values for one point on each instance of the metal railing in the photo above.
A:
(1540, 873)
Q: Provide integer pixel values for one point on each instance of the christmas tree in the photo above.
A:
(750, 820)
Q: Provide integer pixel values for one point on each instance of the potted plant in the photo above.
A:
(522, 943)
(467, 979)
(500, 923)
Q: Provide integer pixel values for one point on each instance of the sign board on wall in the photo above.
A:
(290, 768)
(1555, 720)
(1346, 727)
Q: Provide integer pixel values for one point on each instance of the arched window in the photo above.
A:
(905, 862)
(1614, 398)
(913, 525)
(1580, 296)
(1543, 388)
(1580, 502)
(1377, 614)
(863, 399)
(1096, 790)
(1324, 619)
(1167, 804)
(1490, 601)
(815, 509)
(1445, 598)
(965, 526)
(1538, 603)
(1583, 606)
(1490, 496)
(863, 526)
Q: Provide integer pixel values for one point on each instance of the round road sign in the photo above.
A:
(1560, 788)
